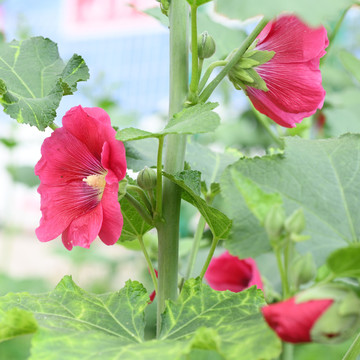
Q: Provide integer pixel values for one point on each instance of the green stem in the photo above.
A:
(200, 66)
(233, 61)
(262, 120)
(168, 229)
(194, 52)
(53, 126)
(159, 178)
(148, 260)
(143, 196)
(283, 276)
(208, 72)
(209, 257)
(288, 351)
(139, 208)
(354, 350)
(195, 248)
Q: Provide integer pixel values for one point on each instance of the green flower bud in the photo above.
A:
(274, 222)
(302, 270)
(341, 320)
(146, 179)
(295, 223)
(206, 46)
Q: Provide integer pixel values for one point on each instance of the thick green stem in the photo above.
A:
(234, 60)
(208, 72)
(194, 53)
(354, 350)
(168, 229)
(159, 178)
(195, 248)
(148, 261)
(209, 257)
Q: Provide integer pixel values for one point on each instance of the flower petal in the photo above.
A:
(293, 321)
(83, 230)
(112, 217)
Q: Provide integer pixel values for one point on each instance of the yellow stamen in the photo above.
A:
(96, 181)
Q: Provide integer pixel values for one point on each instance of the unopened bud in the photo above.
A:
(206, 46)
(295, 223)
(146, 179)
(302, 270)
(274, 222)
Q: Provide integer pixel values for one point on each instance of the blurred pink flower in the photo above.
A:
(80, 169)
(228, 272)
(293, 321)
(292, 76)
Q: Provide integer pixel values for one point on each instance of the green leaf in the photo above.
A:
(16, 322)
(197, 2)
(313, 12)
(234, 325)
(23, 174)
(351, 63)
(193, 120)
(134, 225)
(345, 262)
(141, 153)
(218, 222)
(320, 176)
(33, 79)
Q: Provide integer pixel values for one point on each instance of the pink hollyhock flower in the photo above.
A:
(228, 272)
(80, 169)
(293, 321)
(292, 75)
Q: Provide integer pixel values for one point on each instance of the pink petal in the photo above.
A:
(83, 230)
(60, 205)
(228, 272)
(64, 159)
(92, 126)
(112, 217)
(293, 321)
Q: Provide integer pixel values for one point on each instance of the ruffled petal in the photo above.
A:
(112, 218)
(293, 40)
(60, 205)
(92, 126)
(65, 159)
(83, 230)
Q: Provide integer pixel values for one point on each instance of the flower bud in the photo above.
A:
(206, 46)
(146, 179)
(302, 270)
(295, 223)
(274, 222)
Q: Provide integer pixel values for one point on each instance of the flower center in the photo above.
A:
(97, 182)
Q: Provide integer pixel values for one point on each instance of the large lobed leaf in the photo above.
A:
(314, 12)
(75, 325)
(320, 176)
(33, 79)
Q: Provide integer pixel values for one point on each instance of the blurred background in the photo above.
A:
(127, 54)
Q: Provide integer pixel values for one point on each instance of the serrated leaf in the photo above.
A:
(134, 225)
(313, 12)
(345, 262)
(321, 176)
(235, 317)
(351, 63)
(193, 120)
(33, 79)
(218, 222)
(16, 322)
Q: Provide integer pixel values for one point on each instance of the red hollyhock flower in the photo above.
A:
(80, 169)
(292, 75)
(293, 321)
(228, 272)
